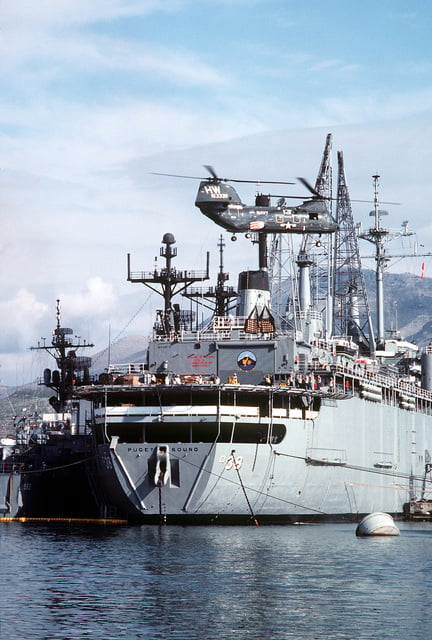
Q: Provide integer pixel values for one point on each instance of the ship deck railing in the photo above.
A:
(127, 368)
(138, 374)
(233, 327)
(310, 314)
(159, 275)
(204, 384)
(129, 382)
(367, 374)
(219, 328)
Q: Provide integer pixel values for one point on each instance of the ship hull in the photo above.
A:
(351, 458)
(49, 480)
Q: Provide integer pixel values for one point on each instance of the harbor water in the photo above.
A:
(64, 582)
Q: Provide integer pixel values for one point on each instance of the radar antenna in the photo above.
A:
(171, 281)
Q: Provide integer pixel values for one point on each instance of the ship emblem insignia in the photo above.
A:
(246, 360)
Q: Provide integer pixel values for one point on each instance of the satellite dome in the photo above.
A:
(168, 238)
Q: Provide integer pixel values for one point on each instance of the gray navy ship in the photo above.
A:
(285, 405)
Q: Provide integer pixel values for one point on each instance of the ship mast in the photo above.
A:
(379, 235)
(72, 369)
(171, 281)
(321, 249)
(218, 299)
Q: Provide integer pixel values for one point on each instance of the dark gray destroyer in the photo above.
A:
(44, 472)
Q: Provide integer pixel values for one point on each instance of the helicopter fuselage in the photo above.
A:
(221, 203)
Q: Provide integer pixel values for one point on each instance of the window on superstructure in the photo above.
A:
(186, 432)
(250, 433)
(168, 432)
(126, 432)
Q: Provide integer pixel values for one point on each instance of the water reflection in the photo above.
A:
(222, 582)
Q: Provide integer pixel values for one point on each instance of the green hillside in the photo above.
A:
(29, 399)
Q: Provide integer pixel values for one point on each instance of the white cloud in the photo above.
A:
(325, 64)
(97, 299)
(73, 142)
(20, 317)
(53, 56)
(59, 12)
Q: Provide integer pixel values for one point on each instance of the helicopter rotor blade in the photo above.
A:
(319, 195)
(309, 187)
(272, 195)
(258, 181)
(372, 202)
(212, 172)
(214, 175)
(175, 175)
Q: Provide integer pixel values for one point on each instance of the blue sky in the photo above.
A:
(250, 64)
(95, 95)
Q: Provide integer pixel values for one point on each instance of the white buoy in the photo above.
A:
(377, 524)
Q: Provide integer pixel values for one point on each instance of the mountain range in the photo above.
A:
(407, 304)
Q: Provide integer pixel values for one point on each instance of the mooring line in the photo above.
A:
(236, 467)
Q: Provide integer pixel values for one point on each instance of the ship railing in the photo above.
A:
(336, 341)
(219, 328)
(163, 273)
(223, 326)
(127, 368)
(313, 315)
(127, 375)
(227, 323)
(195, 291)
(343, 341)
(370, 375)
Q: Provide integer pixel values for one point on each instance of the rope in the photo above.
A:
(236, 467)
(382, 472)
(256, 491)
(49, 469)
(162, 517)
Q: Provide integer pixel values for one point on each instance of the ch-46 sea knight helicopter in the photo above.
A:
(220, 202)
